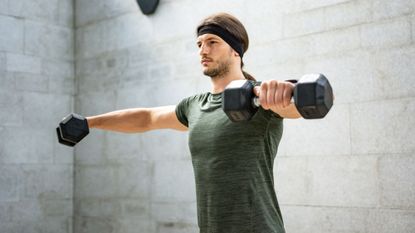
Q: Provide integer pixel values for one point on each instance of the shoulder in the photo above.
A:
(195, 98)
(187, 105)
(190, 101)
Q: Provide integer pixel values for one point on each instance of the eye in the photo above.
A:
(199, 44)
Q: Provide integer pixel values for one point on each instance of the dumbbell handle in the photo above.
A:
(256, 103)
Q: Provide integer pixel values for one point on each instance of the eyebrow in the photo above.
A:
(207, 39)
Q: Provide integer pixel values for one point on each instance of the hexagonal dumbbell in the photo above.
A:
(72, 129)
(313, 98)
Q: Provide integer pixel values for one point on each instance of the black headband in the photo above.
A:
(224, 34)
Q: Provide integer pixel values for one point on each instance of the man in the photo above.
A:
(233, 162)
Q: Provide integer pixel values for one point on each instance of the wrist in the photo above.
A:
(91, 121)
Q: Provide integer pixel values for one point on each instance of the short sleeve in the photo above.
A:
(182, 110)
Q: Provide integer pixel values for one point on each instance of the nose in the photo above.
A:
(203, 49)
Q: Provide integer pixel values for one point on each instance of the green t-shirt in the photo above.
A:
(233, 167)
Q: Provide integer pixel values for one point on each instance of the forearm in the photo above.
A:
(289, 112)
(127, 121)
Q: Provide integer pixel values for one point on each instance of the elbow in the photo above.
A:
(144, 121)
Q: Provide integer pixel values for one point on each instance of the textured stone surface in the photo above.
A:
(304, 219)
(397, 173)
(390, 9)
(386, 34)
(351, 172)
(23, 63)
(172, 175)
(383, 126)
(333, 175)
(49, 41)
(327, 131)
(328, 181)
(37, 84)
(11, 34)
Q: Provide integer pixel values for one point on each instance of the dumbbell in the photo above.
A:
(72, 129)
(313, 98)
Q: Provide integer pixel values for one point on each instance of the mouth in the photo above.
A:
(205, 61)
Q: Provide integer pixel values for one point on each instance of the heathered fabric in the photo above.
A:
(233, 167)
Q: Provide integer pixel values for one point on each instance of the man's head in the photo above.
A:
(222, 41)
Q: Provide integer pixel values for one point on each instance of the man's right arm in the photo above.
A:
(136, 120)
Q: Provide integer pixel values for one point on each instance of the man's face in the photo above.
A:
(215, 55)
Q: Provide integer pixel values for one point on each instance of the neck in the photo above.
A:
(219, 83)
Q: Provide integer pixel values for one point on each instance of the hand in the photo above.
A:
(274, 95)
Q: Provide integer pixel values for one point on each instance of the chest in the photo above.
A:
(212, 133)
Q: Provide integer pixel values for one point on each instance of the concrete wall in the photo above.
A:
(134, 182)
(355, 170)
(351, 172)
(36, 90)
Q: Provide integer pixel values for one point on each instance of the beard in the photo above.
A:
(221, 70)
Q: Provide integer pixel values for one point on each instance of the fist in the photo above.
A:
(274, 94)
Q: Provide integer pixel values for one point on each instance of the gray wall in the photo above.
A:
(351, 172)
(134, 182)
(36, 90)
(354, 171)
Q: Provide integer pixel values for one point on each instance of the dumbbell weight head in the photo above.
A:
(237, 100)
(72, 129)
(313, 96)
(61, 140)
